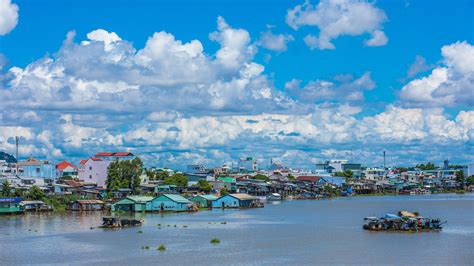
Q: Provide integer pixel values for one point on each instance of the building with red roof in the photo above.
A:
(308, 178)
(66, 169)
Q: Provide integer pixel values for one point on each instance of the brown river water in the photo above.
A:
(297, 232)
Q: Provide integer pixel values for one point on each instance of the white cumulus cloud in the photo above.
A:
(8, 16)
(335, 18)
(448, 84)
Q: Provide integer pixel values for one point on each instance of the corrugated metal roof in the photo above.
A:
(208, 197)
(25, 202)
(140, 199)
(176, 198)
(90, 201)
(242, 196)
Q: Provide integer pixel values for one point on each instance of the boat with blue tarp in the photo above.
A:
(403, 221)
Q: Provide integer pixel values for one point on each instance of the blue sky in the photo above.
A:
(311, 74)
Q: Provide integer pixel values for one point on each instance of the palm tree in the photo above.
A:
(6, 189)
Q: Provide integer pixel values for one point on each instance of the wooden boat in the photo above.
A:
(404, 221)
(274, 196)
(114, 222)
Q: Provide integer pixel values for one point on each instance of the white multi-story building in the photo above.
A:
(374, 173)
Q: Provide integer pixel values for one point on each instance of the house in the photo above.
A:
(36, 169)
(171, 202)
(308, 178)
(86, 205)
(66, 169)
(35, 205)
(218, 185)
(94, 170)
(133, 204)
(10, 206)
(236, 201)
(204, 201)
(166, 189)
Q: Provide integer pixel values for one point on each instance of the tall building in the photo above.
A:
(94, 170)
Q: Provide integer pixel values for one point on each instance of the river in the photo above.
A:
(297, 232)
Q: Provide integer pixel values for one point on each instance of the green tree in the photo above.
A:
(470, 180)
(161, 175)
(460, 177)
(35, 193)
(178, 179)
(261, 177)
(224, 192)
(428, 166)
(204, 186)
(125, 174)
(6, 189)
(348, 174)
(290, 177)
(341, 174)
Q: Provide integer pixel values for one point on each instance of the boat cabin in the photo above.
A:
(10, 205)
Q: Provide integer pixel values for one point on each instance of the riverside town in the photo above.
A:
(120, 182)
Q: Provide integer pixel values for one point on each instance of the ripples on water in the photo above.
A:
(289, 232)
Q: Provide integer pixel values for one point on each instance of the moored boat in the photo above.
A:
(114, 222)
(404, 221)
(274, 196)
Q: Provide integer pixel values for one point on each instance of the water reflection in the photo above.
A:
(288, 232)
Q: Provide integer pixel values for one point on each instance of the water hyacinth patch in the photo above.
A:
(161, 248)
(215, 241)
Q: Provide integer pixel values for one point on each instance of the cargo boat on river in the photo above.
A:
(114, 222)
(404, 221)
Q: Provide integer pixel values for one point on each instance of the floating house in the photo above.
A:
(171, 202)
(133, 204)
(236, 201)
(86, 205)
(35, 205)
(204, 201)
(10, 205)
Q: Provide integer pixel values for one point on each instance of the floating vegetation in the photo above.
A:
(161, 248)
(174, 225)
(168, 225)
(140, 232)
(159, 224)
(215, 241)
(209, 222)
(145, 247)
(185, 226)
(223, 222)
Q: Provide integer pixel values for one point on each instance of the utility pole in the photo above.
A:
(17, 139)
(384, 159)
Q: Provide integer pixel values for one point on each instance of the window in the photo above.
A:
(90, 176)
(90, 168)
(38, 169)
